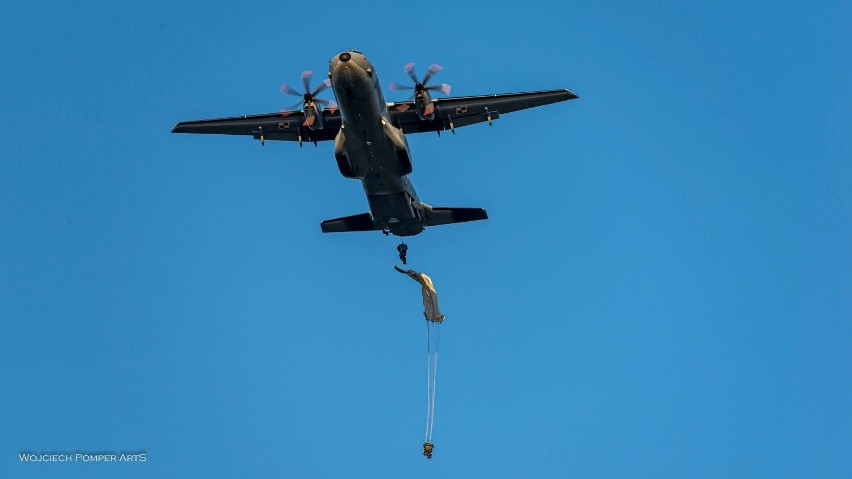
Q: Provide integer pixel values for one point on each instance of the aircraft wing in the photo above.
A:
(452, 113)
(270, 126)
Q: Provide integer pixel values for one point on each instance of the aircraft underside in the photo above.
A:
(370, 148)
(369, 136)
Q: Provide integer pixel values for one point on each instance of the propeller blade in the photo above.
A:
(330, 105)
(294, 108)
(286, 89)
(306, 79)
(433, 69)
(409, 68)
(322, 86)
(442, 87)
(395, 87)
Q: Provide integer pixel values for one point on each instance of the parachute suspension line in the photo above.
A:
(434, 376)
(433, 339)
(428, 382)
(434, 384)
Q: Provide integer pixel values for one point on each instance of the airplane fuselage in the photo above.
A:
(370, 148)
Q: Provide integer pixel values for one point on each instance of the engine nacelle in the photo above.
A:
(313, 116)
(424, 105)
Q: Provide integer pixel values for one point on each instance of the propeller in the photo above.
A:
(420, 85)
(309, 96)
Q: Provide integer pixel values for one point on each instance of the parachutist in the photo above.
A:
(427, 449)
(403, 251)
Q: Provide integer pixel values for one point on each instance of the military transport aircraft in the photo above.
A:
(369, 137)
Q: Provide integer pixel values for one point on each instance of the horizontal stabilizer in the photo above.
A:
(436, 215)
(362, 222)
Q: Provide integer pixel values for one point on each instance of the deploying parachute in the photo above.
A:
(434, 318)
(430, 297)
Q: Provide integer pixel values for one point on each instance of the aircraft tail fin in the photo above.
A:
(437, 215)
(362, 222)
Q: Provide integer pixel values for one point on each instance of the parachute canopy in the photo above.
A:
(430, 296)
(434, 318)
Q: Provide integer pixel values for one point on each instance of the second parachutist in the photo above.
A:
(403, 251)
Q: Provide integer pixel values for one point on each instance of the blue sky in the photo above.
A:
(662, 288)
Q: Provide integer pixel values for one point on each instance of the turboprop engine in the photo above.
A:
(422, 99)
(312, 106)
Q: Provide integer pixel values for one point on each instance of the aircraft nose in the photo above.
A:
(350, 67)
